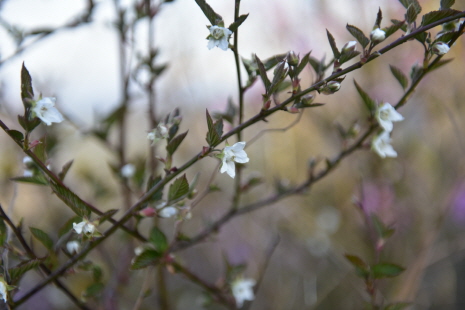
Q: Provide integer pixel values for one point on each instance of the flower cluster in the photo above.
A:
(386, 114)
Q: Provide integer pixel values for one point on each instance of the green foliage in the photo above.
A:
(158, 239)
(43, 237)
(172, 146)
(229, 114)
(38, 179)
(379, 18)
(213, 17)
(178, 189)
(262, 72)
(434, 16)
(233, 27)
(333, 45)
(215, 131)
(27, 93)
(302, 64)
(393, 28)
(16, 135)
(65, 169)
(348, 55)
(68, 225)
(370, 103)
(3, 232)
(439, 64)
(411, 14)
(358, 35)
(150, 184)
(400, 76)
(147, 258)
(446, 4)
(362, 269)
(19, 270)
(386, 270)
(71, 200)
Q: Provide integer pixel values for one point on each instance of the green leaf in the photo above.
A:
(43, 237)
(358, 35)
(39, 150)
(20, 269)
(158, 239)
(27, 93)
(172, 146)
(318, 66)
(68, 225)
(400, 76)
(434, 16)
(97, 273)
(447, 4)
(382, 230)
(361, 267)
(273, 61)
(147, 258)
(18, 136)
(178, 188)
(386, 270)
(370, 104)
(393, 28)
(416, 73)
(302, 63)
(346, 56)
(36, 179)
(212, 16)
(3, 232)
(332, 43)
(213, 138)
(421, 37)
(233, 27)
(71, 200)
(411, 14)
(231, 111)
(397, 306)
(379, 18)
(407, 3)
(93, 290)
(279, 75)
(65, 169)
(262, 73)
(439, 64)
(158, 195)
(445, 37)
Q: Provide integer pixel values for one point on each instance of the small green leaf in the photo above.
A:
(361, 267)
(3, 232)
(370, 104)
(18, 136)
(212, 16)
(233, 27)
(400, 76)
(97, 273)
(386, 270)
(71, 200)
(43, 237)
(332, 43)
(172, 146)
(147, 258)
(411, 14)
(39, 150)
(318, 66)
(93, 290)
(358, 35)
(302, 63)
(273, 61)
(346, 56)
(379, 18)
(68, 225)
(38, 179)
(178, 188)
(447, 4)
(434, 16)
(416, 73)
(262, 73)
(65, 169)
(158, 195)
(158, 239)
(27, 93)
(407, 3)
(439, 64)
(382, 230)
(213, 138)
(393, 28)
(20, 269)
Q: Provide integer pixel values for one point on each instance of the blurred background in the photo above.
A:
(421, 193)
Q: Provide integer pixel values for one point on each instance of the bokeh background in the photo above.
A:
(421, 193)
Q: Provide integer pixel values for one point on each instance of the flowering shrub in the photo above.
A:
(160, 214)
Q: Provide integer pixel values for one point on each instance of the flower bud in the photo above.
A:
(330, 88)
(377, 35)
(292, 59)
(440, 48)
(349, 46)
(308, 99)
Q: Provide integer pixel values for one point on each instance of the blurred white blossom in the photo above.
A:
(233, 154)
(159, 133)
(440, 48)
(128, 170)
(242, 290)
(386, 114)
(381, 145)
(3, 292)
(46, 111)
(219, 36)
(84, 227)
(377, 35)
(73, 246)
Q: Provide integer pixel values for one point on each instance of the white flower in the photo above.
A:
(139, 250)
(46, 111)
(440, 48)
(381, 145)
(242, 290)
(27, 160)
(386, 114)
(73, 247)
(349, 46)
(3, 292)
(219, 36)
(85, 227)
(128, 170)
(168, 212)
(377, 35)
(159, 133)
(233, 154)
